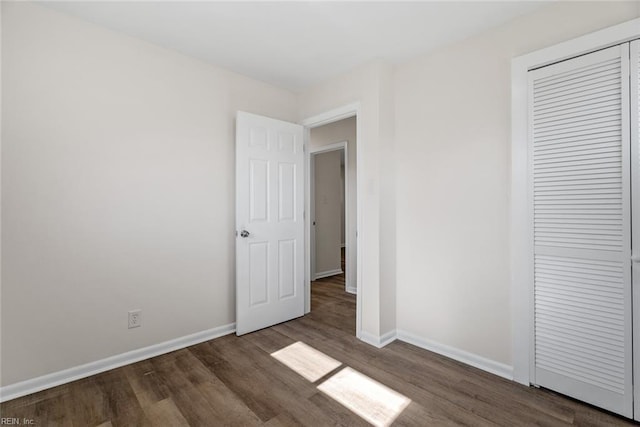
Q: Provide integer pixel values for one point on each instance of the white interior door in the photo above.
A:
(635, 212)
(580, 175)
(269, 222)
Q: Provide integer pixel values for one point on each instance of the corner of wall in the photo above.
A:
(471, 359)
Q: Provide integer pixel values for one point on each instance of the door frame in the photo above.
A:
(521, 262)
(330, 116)
(338, 146)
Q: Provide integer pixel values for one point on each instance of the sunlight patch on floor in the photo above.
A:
(306, 361)
(374, 402)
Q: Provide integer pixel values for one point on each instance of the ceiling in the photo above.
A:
(297, 44)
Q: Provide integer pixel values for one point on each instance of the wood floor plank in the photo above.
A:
(416, 415)
(86, 401)
(285, 419)
(188, 399)
(54, 410)
(241, 377)
(269, 340)
(338, 413)
(145, 382)
(165, 412)
(226, 407)
(119, 401)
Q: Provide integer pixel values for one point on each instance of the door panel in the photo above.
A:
(258, 272)
(258, 190)
(579, 151)
(269, 208)
(287, 268)
(287, 192)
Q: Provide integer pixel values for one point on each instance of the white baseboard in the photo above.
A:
(351, 289)
(43, 382)
(328, 273)
(378, 341)
(388, 338)
(491, 366)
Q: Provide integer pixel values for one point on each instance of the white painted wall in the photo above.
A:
(327, 212)
(365, 85)
(117, 190)
(344, 130)
(452, 146)
(387, 173)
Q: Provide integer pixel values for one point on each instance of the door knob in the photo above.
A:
(635, 258)
(244, 233)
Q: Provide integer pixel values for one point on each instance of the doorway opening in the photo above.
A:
(329, 210)
(332, 256)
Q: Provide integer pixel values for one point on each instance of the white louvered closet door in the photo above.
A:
(581, 228)
(635, 211)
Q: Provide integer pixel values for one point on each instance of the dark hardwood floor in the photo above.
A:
(235, 381)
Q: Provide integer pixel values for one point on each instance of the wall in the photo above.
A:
(117, 190)
(327, 212)
(365, 85)
(387, 172)
(344, 130)
(453, 150)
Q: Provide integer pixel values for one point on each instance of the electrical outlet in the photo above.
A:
(135, 318)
